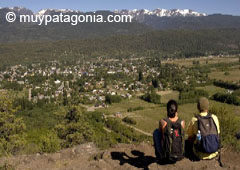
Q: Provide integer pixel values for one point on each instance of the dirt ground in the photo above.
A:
(123, 156)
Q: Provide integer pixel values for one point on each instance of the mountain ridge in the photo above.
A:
(161, 12)
(143, 21)
(135, 12)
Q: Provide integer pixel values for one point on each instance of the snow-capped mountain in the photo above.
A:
(51, 11)
(134, 13)
(161, 12)
(18, 10)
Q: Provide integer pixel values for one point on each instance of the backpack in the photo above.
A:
(173, 141)
(210, 141)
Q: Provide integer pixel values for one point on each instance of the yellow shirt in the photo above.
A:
(192, 132)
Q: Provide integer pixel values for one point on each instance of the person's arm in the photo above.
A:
(216, 121)
(162, 125)
(183, 124)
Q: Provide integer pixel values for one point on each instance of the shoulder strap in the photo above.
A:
(168, 121)
(198, 116)
(179, 121)
(168, 126)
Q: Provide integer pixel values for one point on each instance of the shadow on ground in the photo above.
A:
(139, 160)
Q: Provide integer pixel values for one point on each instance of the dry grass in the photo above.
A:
(203, 60)
(234, 75)
(212, 89)
(168, 95)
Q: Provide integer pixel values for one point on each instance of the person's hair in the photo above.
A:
(172, 108)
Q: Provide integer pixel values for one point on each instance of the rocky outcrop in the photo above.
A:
(122, 156)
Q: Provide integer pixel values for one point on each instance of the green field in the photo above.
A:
(148, 118)
(213, 89)
(232, 76)
(168, 95)
(203, 61)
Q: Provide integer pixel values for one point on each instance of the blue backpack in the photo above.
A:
(209, 142)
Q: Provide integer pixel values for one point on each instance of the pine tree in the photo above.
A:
(140, 76)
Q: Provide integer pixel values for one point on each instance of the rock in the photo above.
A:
(55, 157)
(51, 160)
(88, 148)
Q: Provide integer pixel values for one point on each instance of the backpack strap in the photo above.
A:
(210, 115)
(179, 121)
(169, 123)
(198, 117)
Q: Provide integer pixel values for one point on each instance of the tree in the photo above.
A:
(113, 99)
(11, 128)
(65, 98)
(155, 83)
(75, 128)
(140, 76)
(152, 97)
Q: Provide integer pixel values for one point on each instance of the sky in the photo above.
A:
(206, 6)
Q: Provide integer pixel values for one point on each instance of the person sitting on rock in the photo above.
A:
(169, 137)
(203, 132)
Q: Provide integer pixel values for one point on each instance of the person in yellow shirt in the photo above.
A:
(193, 129)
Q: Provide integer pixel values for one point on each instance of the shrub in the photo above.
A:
(227, 98)
(12, 129)
(50, 142)
(226, 85)
(228, 126)
(125, 134)
(129, 120)
(192, 96)
(7, 166)
(152, 97)
(75, 128)
(226, 73)
(237, 92)
(113, 99)
(155, 83)
(135, 109)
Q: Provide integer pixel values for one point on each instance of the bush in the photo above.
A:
(113, 99)
(237, 92)
(227, 98)
(7, 166)
(129, 120)
(102, 139)
(50, 142)
(135, 109)
(192, 96)
(226, 73)
(228, 127)
(12, 129)
(125, 134)
(75, 128)
(226, 85)
(152, 97)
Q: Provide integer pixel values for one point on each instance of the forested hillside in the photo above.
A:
(181, 43)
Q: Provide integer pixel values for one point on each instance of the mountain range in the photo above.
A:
(143, 21)
(134, 13)
(161, 12)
